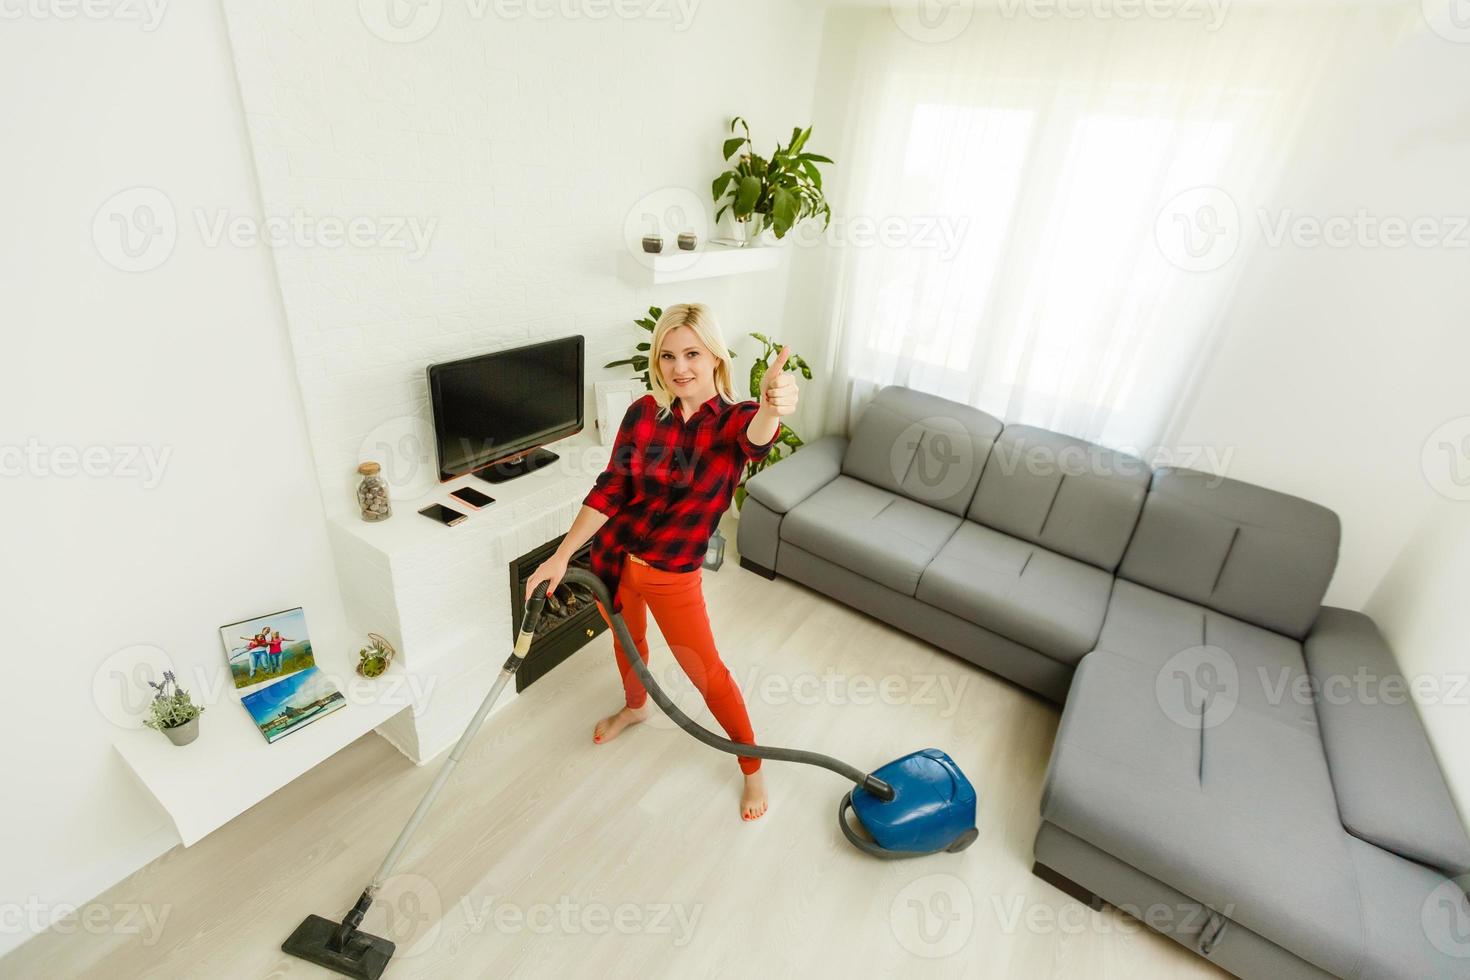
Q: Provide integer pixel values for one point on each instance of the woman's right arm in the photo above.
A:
(553, 568)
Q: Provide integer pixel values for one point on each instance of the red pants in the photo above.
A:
(677, 601)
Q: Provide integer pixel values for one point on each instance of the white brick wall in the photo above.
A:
(525, 141)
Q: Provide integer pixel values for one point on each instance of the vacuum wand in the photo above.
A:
(867, 781)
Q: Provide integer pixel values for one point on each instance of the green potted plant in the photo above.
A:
(173, 712)
(776, 192)
(374, 658)
(786, 439)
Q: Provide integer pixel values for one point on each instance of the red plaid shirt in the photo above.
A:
(667, 483)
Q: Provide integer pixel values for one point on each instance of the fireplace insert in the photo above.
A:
(569, 621)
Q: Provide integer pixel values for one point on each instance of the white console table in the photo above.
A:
(441, 594)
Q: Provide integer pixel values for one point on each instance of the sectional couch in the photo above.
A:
(1237, 765)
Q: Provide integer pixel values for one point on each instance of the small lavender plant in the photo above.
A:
(170, 710)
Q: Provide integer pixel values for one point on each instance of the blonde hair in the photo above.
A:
(699, 318)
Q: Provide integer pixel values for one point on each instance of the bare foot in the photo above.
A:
(753, 797)
(608, 728)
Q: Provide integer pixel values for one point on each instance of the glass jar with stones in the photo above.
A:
(372, 494)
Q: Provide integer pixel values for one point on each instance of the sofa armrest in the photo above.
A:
(1390, 789)
(792, 480)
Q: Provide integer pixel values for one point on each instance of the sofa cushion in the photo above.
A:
(1198, 654)
(877, 533)
(1390, 789)
(799, 476)
(1047, 601)
(1068, 495)
(1252, 553)
(929, 449)
(1233, 808)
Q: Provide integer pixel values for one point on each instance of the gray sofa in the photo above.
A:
(1236, 765)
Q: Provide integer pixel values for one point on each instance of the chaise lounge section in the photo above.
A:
(1219, 770)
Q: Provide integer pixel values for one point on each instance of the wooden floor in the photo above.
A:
(549, 856)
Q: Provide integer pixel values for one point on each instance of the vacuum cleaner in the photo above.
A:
(917, 805)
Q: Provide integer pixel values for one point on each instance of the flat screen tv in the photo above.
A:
(494, 412)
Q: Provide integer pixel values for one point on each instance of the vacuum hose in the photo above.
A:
(867, 781)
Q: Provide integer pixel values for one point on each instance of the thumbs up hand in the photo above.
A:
(778, 387)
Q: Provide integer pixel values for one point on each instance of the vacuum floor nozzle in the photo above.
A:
(363, 955)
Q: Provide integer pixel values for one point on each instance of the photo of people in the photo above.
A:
(267, 648)
(292, 703)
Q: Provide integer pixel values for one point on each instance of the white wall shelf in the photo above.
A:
(706, 262)
(230, 767)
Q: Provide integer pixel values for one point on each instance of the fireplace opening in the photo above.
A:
(569, 621)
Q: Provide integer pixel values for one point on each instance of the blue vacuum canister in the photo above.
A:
(932, 810)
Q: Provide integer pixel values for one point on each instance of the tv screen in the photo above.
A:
(496, 406)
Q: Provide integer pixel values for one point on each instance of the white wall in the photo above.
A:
(526, 143)
(1335, 365)
(1420, 606)
(189, 359)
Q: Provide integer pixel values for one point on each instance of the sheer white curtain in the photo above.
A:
(1057, 207)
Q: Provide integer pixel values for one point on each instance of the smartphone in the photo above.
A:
(473, 497)
(447, 516)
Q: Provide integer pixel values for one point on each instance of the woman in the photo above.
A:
(677, 459)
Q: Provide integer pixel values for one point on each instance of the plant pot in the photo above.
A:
(748, 232)
(185, 733)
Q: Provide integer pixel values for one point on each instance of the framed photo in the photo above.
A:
(267, 648)
(613, 399)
